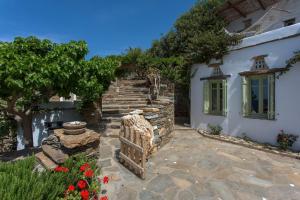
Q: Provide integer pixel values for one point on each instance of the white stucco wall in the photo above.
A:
(289, 9)
(62, 111)
(287, 89)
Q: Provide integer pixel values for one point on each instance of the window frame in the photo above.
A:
(220, 91)
(289, 22)
(260, 113)
(247, 112)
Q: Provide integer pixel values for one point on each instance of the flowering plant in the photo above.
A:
(84, 183)
(285, 140)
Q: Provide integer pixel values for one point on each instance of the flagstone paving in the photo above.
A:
(197, 168)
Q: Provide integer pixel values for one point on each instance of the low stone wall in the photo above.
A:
(8, 143)
(161, 116)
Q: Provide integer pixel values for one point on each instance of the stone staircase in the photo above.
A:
(123, 97)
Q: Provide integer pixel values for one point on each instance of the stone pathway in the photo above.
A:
(197, 168)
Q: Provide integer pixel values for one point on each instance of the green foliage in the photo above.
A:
(141, 62)
(95, 78)
(7, 125)
(294, 59)
(198, 35)
(215, 130)
(285, 140)
(34, 70)
(19, 180)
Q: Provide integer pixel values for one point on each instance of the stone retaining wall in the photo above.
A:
(161, 116)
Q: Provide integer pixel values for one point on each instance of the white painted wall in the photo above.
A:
(288, 9)
(62, 111)
(287, 88)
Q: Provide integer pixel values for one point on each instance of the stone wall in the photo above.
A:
(8, 143)
(161, 116)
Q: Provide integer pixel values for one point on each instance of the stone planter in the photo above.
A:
(74, 125)
(74, 131)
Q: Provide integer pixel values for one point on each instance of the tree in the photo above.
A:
(33, 70)
(198, 35)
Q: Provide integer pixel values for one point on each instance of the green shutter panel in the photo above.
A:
(271, 110)
(224, 82)
(206, 104)
(245, 96)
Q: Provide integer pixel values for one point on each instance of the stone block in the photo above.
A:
(45, 161)
(152, 110)
(57, 155)
(74, 141)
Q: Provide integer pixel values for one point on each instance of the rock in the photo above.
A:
(135, 128)
(53, 141)
(136, 112)
(55, 154)
(45, 161)
(162, 131)
(152, 110)
(75, 141)
(151, 117)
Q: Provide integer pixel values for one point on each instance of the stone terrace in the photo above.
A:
(191, 166)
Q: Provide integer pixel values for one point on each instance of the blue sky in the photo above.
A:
(108, 26)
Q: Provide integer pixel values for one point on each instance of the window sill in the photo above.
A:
(259, 117)
(215, 114)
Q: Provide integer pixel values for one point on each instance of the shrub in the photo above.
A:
(215, 130)
(20, 180)
(285, 140)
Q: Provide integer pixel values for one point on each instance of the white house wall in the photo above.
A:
(289, 10)
(60, 111)
(287, 91)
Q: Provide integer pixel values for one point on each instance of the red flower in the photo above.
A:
(103, 198)
(71, 188)
(85, 194)
(84, 167)
(105, 179)
(81, 184)
(61, 169)
(89, 173)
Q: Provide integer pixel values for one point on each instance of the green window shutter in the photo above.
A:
(271, 110)
(224, 111)
(206, 104)
(245, 96)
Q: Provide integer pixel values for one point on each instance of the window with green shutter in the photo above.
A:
(215, 97)
(258, 96)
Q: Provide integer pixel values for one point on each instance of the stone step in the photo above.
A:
(127, 99)
(109, 119)
(45, 161)
(117, 111)
(105, 96)
(111, 115)
(123, 102)
(110, 125)
(55, 155)
(118, 106)
(110, 133)
(125, 93)
(132, 81)
(129, 89)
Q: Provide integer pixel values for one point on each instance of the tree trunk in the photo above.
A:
(27, 131)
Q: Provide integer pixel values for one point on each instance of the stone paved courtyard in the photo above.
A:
(194, 167)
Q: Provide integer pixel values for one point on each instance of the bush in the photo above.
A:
(215, 130)
(19, 180)
(285, 140)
